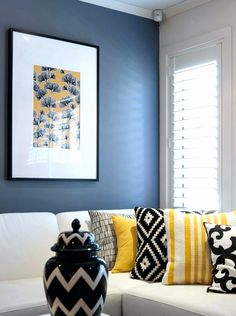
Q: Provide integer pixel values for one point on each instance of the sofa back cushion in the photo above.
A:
(65, 219)
(25, 242)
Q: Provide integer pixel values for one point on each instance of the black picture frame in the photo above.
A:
(54, 108)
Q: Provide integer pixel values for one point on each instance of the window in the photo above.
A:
(195, 128)
(195, 123)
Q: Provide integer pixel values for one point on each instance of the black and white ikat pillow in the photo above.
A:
(222, 242)
(151, 256)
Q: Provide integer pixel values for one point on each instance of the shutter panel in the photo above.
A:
(195, 129)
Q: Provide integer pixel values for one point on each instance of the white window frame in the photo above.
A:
(223, 37)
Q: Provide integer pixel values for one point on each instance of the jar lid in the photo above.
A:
(74, 241)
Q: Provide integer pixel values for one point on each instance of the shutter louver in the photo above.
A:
(195, 129)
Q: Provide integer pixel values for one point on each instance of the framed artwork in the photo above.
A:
(54, 108)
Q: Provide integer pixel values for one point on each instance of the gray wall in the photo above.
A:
(128, 114)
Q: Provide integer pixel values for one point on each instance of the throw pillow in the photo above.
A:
(188, 251)
(200, 212)
(222, 242)
(126, 237)
(151, 257)
(102, 228)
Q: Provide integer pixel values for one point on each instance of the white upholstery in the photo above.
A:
(25, 241)
(65, 219)
(177, 300)
(113, 303)
(22, 297)
(117, 284)
(28, 295)
(123, 282)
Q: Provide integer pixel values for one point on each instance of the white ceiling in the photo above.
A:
(152, 4)
(145, 8)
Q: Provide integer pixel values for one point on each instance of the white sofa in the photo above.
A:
(25, 241)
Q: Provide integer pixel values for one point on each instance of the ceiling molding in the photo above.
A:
(120, 6)
(147, 13)
(182, 7)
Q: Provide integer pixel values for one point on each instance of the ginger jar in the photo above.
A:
(75, 280)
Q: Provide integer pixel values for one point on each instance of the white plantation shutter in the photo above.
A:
(195, 132)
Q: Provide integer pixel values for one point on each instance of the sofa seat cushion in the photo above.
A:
(26, 297)
(123, 282)
(178, 300)
(22, 297)
(113, 302)
(117, 284)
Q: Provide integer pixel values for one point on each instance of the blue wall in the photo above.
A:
(128, 114)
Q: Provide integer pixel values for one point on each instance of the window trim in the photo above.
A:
(222, 36)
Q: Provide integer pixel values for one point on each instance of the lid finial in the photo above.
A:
(75, 240)
(76, 225)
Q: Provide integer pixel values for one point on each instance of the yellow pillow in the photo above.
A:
(189, 260)
(126, 236)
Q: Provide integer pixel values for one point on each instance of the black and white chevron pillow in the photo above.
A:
(151, 257)
(222, 242)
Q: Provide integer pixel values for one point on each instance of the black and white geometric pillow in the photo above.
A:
(222, 242)
(151, 256)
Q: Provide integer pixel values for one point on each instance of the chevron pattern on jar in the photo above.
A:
(80, 305)
(74, 237)
(75, 293)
